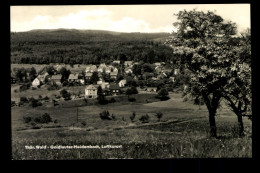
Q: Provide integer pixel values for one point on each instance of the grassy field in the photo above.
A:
(181, 133)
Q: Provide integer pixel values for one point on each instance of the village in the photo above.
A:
(106, 79)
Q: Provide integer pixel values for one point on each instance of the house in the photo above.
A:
(108, 70)
(101, 68)
(88, 75)
(73, 77)
(116, 62)
(122, 83)
(151, 89)
(128, 63)
(158, 69)
(115, 69)
(147, 75)
(90, 91)
(114, 88)
(166, 70)
(42, 77)
(36, 82)
(106, 92)
(113, 75)
(81, 79)
(172, 79)
(157, 64)
(103, 84)
(128, 70)
(56, 79)
(91, 68)
(176, 71)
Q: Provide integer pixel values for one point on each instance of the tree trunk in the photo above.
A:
(212, 123)
(240, 125)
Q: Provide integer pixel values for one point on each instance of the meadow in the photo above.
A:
(181, 133)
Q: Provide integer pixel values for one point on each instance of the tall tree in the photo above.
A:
(202, 43)
(94, 78)
(238, 91)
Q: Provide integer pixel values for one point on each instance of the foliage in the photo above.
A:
(144, 118)
(159, 115)
(45, 118)
(132, 117)
(65, 94)
(105, 115)
(163, 94)
(131, 99)
(74, 47)
(94, 78)
(23, 99)
(203, 43)
(27, 119)
(34, 102)
(65, 74)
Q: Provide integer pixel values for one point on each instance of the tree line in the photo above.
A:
(79, 48)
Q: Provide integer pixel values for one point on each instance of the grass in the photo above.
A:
(182, 132)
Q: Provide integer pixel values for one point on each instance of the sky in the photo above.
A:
(121, 18)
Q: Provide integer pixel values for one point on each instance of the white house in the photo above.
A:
(116, 62)
(90, 91)
(36, 82)
(128, 63)
(122, 83)
(176, 71)
(101, 68)
(91, 68)
(128, 70)
(103, 84)
(113, 75)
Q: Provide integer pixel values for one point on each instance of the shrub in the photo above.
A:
(159, 115)
(131, 99)
(113, 117)
(65, 94)
(163, 94)
(112, 100)
(55, 121)
(144, 118)
(34, 102)
(102, 100)
(132, 117)
(33, 124)
(105, 115)
(37, 119)
(23, 99)
(45, 118)
(27, 119)
(83, 123)
(46, 98)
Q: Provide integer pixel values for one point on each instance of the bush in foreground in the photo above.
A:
(145, 118)
(105, 115)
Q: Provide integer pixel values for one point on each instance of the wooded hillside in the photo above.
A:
(72, 46)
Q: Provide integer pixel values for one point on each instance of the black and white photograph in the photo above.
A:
(158, 81)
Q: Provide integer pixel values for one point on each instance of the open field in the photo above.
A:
(182, 132)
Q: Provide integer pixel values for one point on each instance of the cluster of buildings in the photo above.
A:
(161, 71)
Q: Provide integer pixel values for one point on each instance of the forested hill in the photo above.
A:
(73, 46)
